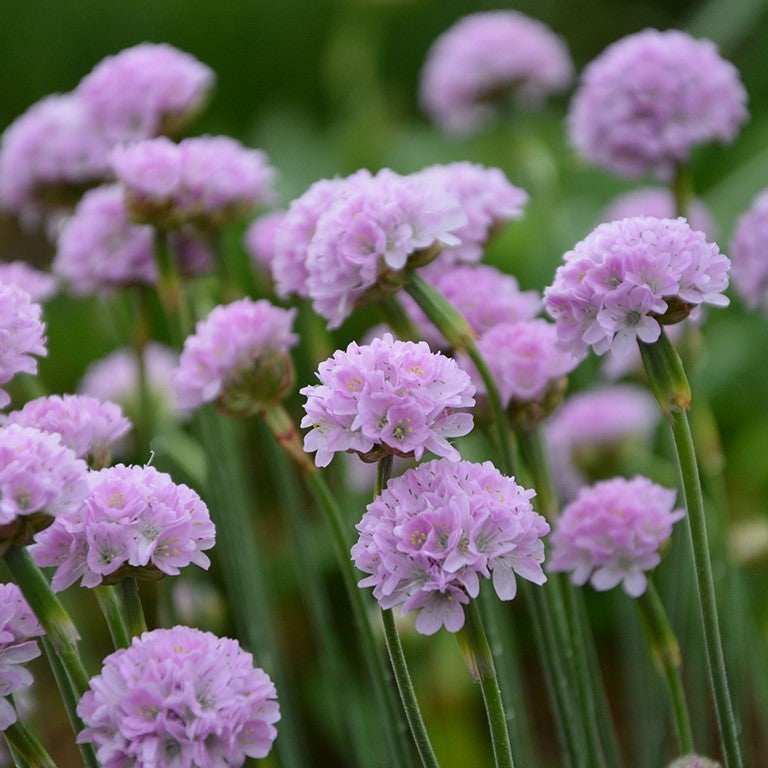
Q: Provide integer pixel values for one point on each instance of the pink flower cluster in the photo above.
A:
(38, 474)
(611, 533)
(659, 202)
(486, 196)
(625, 277)
(100, 248)
(590, 426)
(487, 60)
(259, 239)
(203, 181)
(524, 359)
(345, 237)
(144, 91)
(18, 625)
(39, 285)
(436, 530)
(482, 293)
(48, 156)
(22, 334)
(134, 521)
(240, 351)
(179, 697)
(387, 397)
(650, 98)
(748, 250)
(86, 425)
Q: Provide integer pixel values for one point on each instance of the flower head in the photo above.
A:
(134, 521)
(748, 249)
(628, 276)
(39, 285)
(179, 697)
(387, 397)
(260, 237)
(650, 98)
(694, 761)
(48, 156)
(18, 625)
(86, 425)
(658, 202)
(22, 335)
(237, 356)
(144, 91)
(436, 530)
(528, 366)
(204, 181)
(40, 479)
(611, 533)
(487, 60)
(587, 433)
(484, 295)
(487, 198)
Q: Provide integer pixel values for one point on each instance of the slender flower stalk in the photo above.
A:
(145, 421)
(111, 607)
(666, 654)
(397, 657)
(26, 745)
(667, 381)
(474, 644)
(170, 289)
(134, 612)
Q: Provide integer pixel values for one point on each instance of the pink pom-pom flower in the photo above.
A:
(39, 285)
(144, 91)
(748, 251)
(487, 60)
(135, 521)
(388, 396)
(22, 335)
(237, 357)
(18, 627)
(86, 425)
(612, 532)
(626, 277)
(179, 697)
(436, 530)
(650, 98)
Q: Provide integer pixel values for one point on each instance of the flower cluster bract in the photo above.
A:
(436, 530)
(486, 60)
(22, 334)
(484, 295)
(18, 625)
(486, 196)
(748, 251)
(38, 474)
(145, 91)
(387, 397)
(134, 520)
(611, 533)
(179, 697)
(650, 98)
(625, 277)
(203, 181)
(39, 285)
(240, 346)
(85, 424)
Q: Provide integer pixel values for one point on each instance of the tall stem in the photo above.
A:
(111, 607)
(23, 742)
(475, 646)
(134, 613)
(145, 421)
(170, 289)
(666, 653)
(397, 657)
(667, 381)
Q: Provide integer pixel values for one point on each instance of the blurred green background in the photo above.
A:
(326, 87)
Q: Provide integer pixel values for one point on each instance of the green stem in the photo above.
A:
(682, 190)
(397, 657)
(134, 613)
(170, 289)
(474, 644)
(666, 653)
(23, 742)
(667, 381)
(145, 421)
(111, 607)
(460, 335)
(398, 320)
